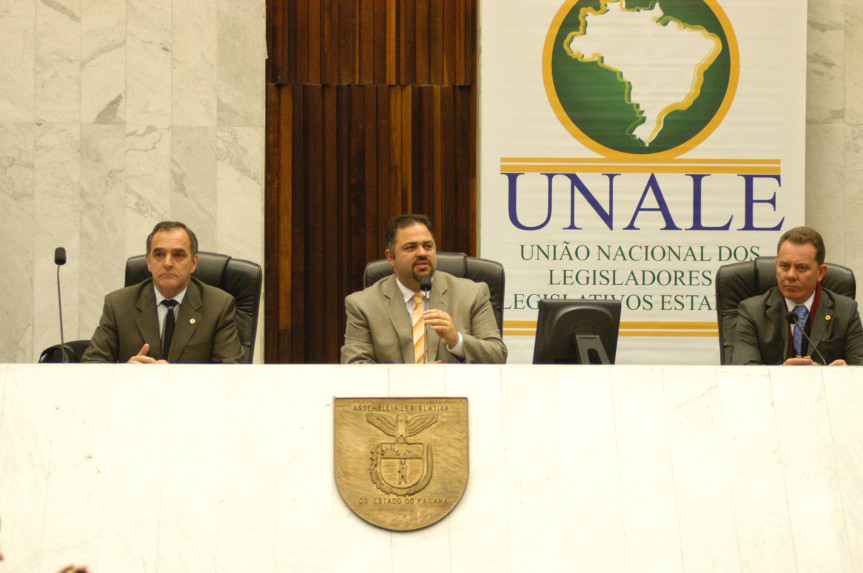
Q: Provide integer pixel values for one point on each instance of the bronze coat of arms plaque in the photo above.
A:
(401, 463)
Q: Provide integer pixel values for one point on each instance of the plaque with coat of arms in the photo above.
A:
(401, 463)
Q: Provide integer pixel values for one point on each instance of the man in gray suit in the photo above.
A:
(770, 326)
(386, 322)
(171, 317)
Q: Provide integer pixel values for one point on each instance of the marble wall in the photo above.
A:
(834, 129)
(114, 115)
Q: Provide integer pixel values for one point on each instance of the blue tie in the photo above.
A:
(797, 337)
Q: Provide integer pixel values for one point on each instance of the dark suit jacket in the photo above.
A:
(379, 326)
(205, 330)
(762, 331)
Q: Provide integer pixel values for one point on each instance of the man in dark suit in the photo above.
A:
(171, 317)
(386, 321)
(832, 322)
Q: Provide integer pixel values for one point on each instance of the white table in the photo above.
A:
(579, 468)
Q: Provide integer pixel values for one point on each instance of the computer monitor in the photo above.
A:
(576, 331)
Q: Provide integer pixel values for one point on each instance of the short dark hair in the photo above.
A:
(170, 225)
(402, 221)
(802, 236)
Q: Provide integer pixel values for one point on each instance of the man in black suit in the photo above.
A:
(172, 317)
(832, 322)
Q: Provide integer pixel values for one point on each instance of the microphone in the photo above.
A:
(425, 283)
(425, 287)
(60, 260)
(792, 320)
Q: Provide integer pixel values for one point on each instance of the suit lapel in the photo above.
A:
(776, 312)
(398, 315)
(439, 300)
(188, 319)
(147, 320)
(821, 320)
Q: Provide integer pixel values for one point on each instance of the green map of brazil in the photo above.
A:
(639, 77)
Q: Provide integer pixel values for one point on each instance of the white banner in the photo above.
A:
(629, 149)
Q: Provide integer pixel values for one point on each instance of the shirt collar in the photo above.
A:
(179, 297)
(790, 304)
(407, 293)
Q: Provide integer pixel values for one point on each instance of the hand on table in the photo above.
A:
(142, 358)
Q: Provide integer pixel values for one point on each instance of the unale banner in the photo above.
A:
(628, 149)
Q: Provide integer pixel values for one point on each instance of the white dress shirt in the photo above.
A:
(408, 294)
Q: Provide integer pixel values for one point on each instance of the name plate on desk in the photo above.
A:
(401, 463)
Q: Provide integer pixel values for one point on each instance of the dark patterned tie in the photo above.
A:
(169, 327)
(797, 337)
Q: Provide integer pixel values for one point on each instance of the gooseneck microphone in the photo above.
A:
(60, 260)
(425, 287)
(792, 320)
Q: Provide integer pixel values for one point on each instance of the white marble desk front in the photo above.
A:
(209, 468)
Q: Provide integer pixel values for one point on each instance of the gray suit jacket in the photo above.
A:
(379, 326)
(762, 331)
(206, 330)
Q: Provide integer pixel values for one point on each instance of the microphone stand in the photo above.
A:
(425, 288)
(792, 320)
(426, 343)
(63, 358)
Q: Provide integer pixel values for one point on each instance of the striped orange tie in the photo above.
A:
(419, 329)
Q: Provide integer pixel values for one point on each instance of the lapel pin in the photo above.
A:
(191, 321)
(827, 317)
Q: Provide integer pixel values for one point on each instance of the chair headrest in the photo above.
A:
(452, 263)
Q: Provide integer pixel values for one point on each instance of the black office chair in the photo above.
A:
(459, 265)
(74, 351)
(738, 281)
(240, 278)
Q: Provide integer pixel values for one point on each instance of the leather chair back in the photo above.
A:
(738, 281)
(459, 265)
(240, 278)
(74, 350)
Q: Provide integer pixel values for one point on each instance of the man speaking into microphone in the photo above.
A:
(396, 321)
(798, 322)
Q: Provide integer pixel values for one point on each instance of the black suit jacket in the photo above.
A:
(206, 330)
(762, 331)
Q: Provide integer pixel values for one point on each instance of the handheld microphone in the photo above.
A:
(792, 320)
(425, 287)
(60, 260)
(425, 283)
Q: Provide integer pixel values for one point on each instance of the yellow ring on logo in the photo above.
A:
(733, 78)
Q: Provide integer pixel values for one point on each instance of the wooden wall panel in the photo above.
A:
(347, 38)
(407, 42)
(371, 110)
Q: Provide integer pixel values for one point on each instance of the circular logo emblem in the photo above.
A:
(640, 77)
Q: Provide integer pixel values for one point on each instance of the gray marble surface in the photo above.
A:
(114, 115)
(834, 116)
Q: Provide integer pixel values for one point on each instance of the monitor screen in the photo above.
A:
(576, 331)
